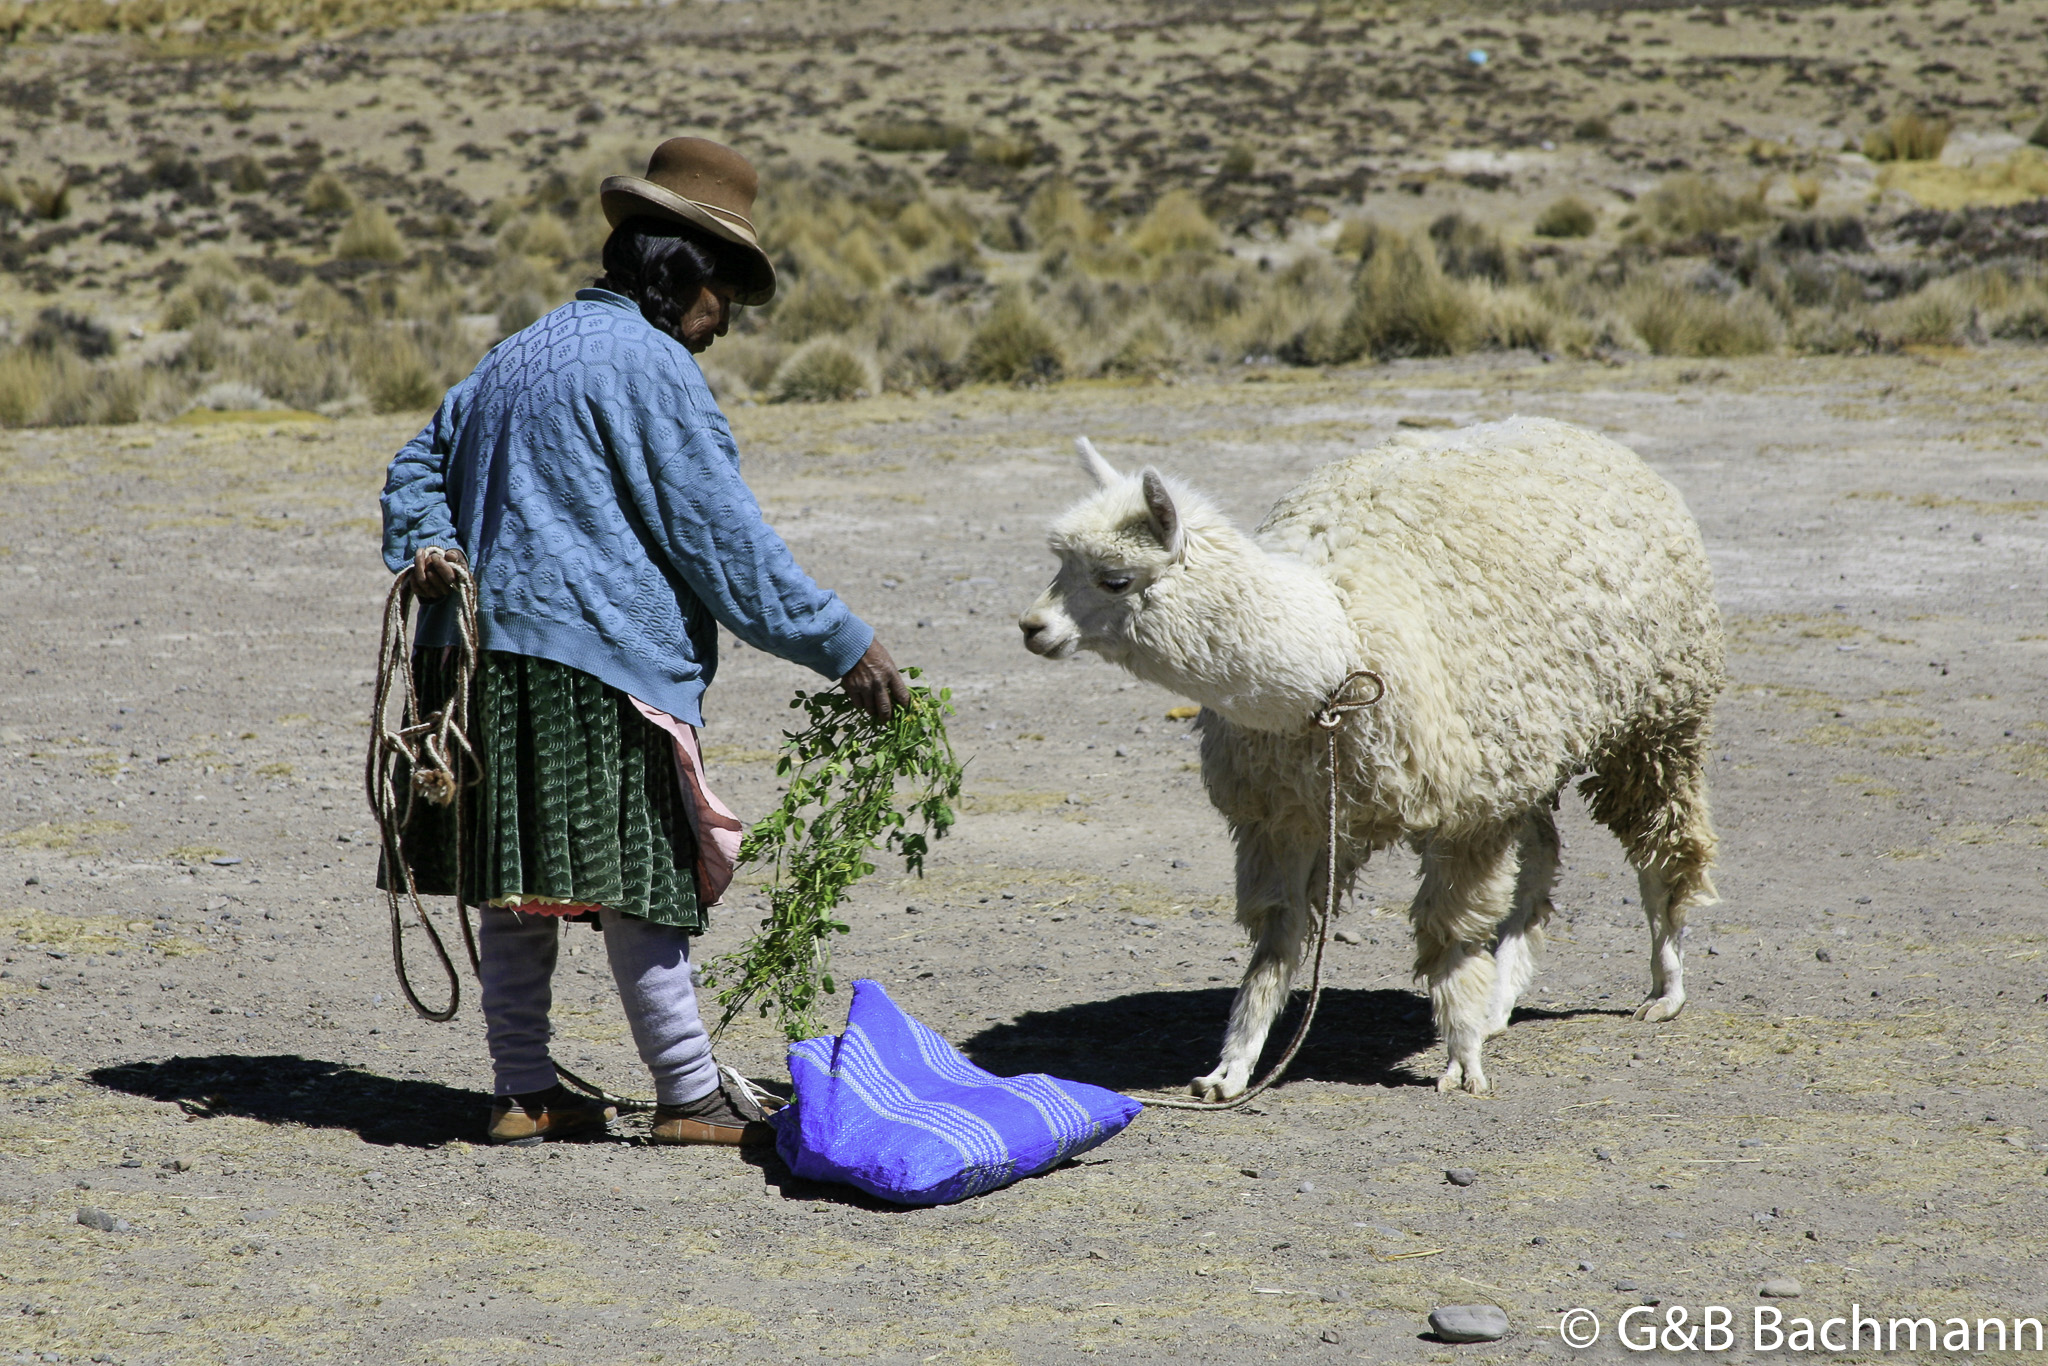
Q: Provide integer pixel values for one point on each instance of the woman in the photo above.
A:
(586, 477)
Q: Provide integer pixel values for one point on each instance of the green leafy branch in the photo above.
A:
(855, 786)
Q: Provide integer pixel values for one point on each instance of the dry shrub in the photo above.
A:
(1691, 205)
(1806, 190)
(38, 200)
(1357, 238)
(542, 235)
(393, 372)
(1907, 137)
(909, 135)
(1014, 346)
(1674, 319)
(1567, 217)
(369, 235)
(2039, 137)
(825, 370)
(1512, 318)
(815, 306)
(1175, 224)
(1402, 305)
(27, 378)
(327, 196)
(1593, 129)
(1470, 251)
(1151, 347)
(1058, 216)
(214, 288)
(922, 348)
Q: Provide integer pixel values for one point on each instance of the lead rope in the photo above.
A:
(1328, 719)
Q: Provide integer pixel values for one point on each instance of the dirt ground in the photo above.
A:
(195, 971)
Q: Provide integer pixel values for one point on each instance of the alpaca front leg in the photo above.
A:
(1465, 893)
(1259, 1001)
(1667, 948)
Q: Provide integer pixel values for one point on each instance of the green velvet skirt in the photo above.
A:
(579, 798)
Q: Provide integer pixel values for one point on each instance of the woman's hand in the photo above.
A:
(433, 572)
(874, 685)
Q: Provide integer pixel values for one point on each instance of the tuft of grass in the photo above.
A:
(1567, 217)
(1240, 161)
(1690, 205)
(2039, 137)
(1907, 137)
(1674, 319)
(909, 135)
(327, 196)
(1592, 129)
(369, 236)
(1470, 251)
(1175, 224)
(1402, 305)
(817, 306)
(1014, 346)
(824, 370)
(394, 373)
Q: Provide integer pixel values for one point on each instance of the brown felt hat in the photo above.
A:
(709, 186)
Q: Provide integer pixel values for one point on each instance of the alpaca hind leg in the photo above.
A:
(1667, 947)
(1274, 906)
(1653, 796)
(1465, 894)
(1521, 934)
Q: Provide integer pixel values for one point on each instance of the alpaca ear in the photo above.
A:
(1165, 517)
(1102, 471)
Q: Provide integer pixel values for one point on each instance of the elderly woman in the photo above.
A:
(587, 479)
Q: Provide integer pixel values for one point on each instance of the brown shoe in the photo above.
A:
(541, 1116)
(735, 1114)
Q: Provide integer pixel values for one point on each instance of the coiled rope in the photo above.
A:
(434, 749)
(1328, 719)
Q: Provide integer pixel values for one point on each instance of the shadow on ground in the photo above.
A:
(1159, 1040)
(287, 1089)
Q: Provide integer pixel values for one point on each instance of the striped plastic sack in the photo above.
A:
(894, 1109)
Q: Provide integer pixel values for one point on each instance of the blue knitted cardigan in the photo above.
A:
(587, 474)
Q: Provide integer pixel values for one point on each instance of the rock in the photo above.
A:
(1469, 1322)
(1750, 1143)
(1338, 1296)
(1823, 956)
(913, 910)
(1330, 1335)
(1348, 937)
(1603, 1155)
(100, 1219)
(1624, 1286)
(1306, 1188)
(1538, 1241)
(1461, 1176)
(1123, 752)
(1780, 1288)
(1252, 1172)
(1585, 1266)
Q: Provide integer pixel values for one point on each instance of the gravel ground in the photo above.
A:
(202, 1038)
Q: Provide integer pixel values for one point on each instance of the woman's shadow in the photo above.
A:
(288, 1089)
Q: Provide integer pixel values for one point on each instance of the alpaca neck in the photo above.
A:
(1261, 638)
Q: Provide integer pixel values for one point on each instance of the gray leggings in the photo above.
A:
(651, 965)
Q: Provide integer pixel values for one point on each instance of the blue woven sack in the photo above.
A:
(894, 1109)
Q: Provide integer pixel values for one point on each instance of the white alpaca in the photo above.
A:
(1539, 606)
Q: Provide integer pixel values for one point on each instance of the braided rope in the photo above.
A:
(1328, 719)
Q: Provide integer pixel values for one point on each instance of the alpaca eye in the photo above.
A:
(1114, 583)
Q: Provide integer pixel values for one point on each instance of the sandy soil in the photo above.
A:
(1853, 1096)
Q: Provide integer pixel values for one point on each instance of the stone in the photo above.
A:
(1750, 1143)
(1780, 1288)
(1252, 1172)
(100, 1219)
(1603, 1155)
(1585, 1266)
(1330, 1335)
(1469, 1322)
(1624, 1286)
(1306, 1188)
(1823, 956)
(1461, 1176)
(1348, 937)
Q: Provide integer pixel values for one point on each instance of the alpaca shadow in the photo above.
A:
(1159, 1040)
(287, 1089)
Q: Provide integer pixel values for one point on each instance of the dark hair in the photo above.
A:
(661, 265)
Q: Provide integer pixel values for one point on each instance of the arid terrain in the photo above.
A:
(1852, 1098)
(287, 237)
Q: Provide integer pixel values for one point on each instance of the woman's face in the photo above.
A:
(705, 319)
